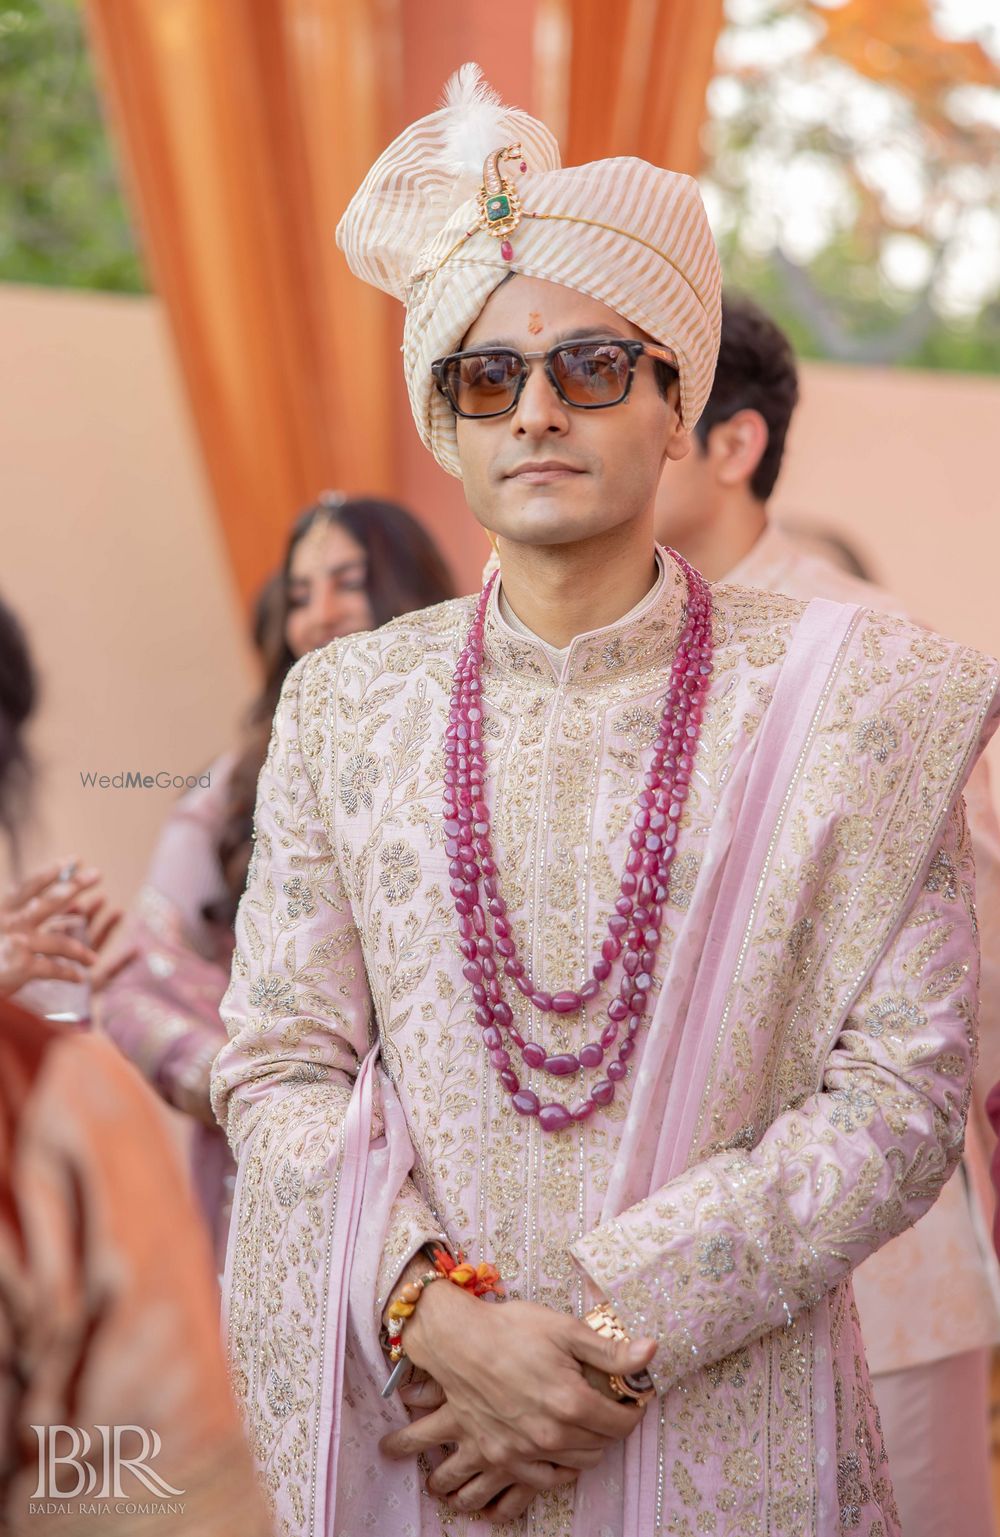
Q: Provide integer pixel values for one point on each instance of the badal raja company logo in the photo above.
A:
(106, 1471)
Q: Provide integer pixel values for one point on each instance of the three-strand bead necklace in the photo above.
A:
(634, 928)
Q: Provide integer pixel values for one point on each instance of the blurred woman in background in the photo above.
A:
(54, 921)
(101, 1324)
(351, 565)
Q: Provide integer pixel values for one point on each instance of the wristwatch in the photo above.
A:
(628, 1387)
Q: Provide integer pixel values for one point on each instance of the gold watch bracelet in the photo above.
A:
(628, 1387)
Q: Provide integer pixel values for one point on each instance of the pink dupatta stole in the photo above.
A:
(703, 977)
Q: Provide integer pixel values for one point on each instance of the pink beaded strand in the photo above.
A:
(634, 927)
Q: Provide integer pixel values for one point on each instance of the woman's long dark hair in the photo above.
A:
(405, 572)
(18, 698)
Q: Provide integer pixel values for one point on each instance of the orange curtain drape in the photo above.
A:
(629, 77)
(244, 127)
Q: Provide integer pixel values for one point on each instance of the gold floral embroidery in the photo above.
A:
(851, 1108)
(942, 876)
(403, 657)
(683, 877)
(272, 994)
(854, 835)
(300, 900)
(638, 724)
(851, 1491)
(358, 780)
(876, 736)
(894, 1016)
(799, 941)
(715, 1256)
(399, 872)
(743, 1469)
(765, 650)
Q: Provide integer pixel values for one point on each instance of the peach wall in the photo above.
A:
(904, 465)
(112, 557)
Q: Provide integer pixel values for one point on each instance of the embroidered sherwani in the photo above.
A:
(798, 1096)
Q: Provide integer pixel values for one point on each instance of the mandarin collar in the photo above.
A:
(632, 644)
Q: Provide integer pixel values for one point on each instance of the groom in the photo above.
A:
(612, 929)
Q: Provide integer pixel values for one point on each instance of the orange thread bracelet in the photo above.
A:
(481, 1280)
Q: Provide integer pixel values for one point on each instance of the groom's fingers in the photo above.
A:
(464, 1464)
(480, 1492)
(463, 1472)
(437, 1429)
(543, 1475)
(511, 1505)
(423, 1394)
(570, 1457)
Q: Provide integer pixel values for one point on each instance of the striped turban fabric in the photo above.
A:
(627, 233)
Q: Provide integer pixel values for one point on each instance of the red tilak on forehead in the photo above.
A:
(535, 323)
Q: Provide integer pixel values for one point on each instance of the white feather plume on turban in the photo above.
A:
(623, 231)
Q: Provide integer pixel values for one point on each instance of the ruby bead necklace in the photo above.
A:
(634, 928)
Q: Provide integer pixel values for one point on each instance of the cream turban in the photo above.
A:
(625, 232)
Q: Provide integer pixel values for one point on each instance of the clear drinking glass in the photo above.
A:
(66, 1002)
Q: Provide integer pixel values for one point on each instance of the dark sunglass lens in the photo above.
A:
(483, 383)
(592, 373)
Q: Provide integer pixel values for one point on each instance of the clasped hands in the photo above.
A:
(505, 1393)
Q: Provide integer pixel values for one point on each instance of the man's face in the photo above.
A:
(548, 473)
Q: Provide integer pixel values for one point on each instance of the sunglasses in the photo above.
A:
(589, 375)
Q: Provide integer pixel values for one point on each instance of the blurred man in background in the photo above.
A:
(928, 1300)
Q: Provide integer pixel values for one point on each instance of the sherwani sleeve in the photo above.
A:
(986, 845)
(985, 833)
(984, 1112)
(298, 1009)
(744, 1240)
(162, 1008)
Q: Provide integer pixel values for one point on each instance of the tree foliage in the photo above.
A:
(855, 178)
(62, 218)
